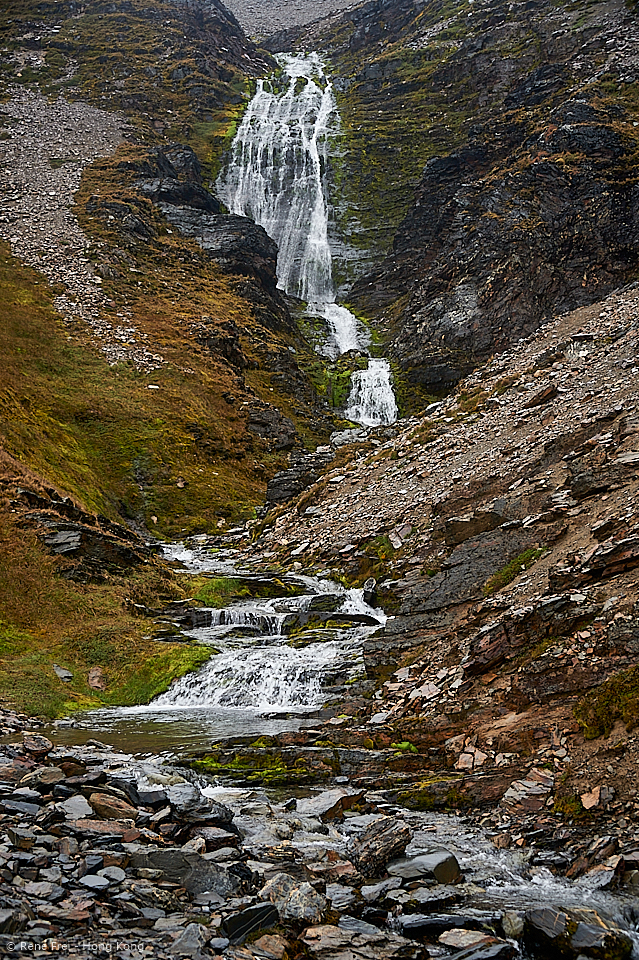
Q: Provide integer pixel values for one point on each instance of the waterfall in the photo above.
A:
(277, 176)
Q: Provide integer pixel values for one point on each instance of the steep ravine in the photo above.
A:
(410, 692)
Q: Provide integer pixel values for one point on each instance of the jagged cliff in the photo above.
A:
(488, 168)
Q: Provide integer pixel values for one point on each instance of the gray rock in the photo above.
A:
(188, 868)
(76, 808)
(441, 865)
(341, 897)
(94, 882)
(304, 903)
(191, 942)
(330, 804)
(113, 874)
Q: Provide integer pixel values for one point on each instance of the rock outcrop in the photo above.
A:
(487, 172)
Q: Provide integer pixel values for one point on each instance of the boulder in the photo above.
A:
(569, 933)
(380, 842)
(188, 868)
(330, 804)
(440, 865)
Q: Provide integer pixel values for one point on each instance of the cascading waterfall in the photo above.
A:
(276, 176)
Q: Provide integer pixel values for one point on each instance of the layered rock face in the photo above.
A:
(488, 170)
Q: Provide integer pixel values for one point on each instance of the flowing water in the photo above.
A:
(271, 670)
(276, 175)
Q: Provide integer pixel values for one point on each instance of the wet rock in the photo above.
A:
(369, 593)
(574, 932)
(36, 745)
(238, 926)
(441, 865)
(380, 842)
(189, 804)
(329, 805)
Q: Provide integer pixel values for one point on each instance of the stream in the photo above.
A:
(294, 642)
(261, 681)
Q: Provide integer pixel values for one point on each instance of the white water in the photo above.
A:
(264, 672)
(277, 176)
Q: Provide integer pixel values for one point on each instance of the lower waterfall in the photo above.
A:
(276, 175)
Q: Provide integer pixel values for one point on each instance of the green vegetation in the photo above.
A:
(99, 433)
(268, 766)
(45, 619)
(512, 569)
(220, 591)
(616, 699)
(332, 378)
(569, 806)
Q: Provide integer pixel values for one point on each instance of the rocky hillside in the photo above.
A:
(502, 530)
(489, 161)
(152, 375)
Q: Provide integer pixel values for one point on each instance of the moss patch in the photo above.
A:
(616, 699)
(512, 570)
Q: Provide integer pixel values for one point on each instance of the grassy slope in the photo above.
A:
(182, 453)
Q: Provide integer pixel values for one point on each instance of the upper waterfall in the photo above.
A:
(276, 175)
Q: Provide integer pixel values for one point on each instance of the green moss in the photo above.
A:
(616, 699)
(220, 590)
(266, 767)
(512, 569)
(569, 806)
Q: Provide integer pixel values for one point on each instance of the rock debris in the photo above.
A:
(46, 145)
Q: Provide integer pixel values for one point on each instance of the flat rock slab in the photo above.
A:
(77, 808)
(441, 865)
(188, 868)
(334, 943)
(330, 804)
(238, 926)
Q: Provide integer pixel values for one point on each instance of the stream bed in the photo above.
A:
(274, 669)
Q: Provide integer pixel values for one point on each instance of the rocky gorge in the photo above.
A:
(277, 684)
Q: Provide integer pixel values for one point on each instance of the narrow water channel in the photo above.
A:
(277, 175)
